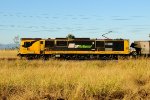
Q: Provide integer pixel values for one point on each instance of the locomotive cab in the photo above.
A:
(31, 47)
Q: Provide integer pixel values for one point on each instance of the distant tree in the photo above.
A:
(16, 41)
(70, 36)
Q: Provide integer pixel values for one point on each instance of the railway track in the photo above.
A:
(14, 59)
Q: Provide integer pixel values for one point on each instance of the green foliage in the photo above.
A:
(70, 36)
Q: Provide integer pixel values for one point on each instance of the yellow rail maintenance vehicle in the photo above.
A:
(77, 48)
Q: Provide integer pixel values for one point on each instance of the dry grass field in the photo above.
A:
(8, 53)
(74, 80)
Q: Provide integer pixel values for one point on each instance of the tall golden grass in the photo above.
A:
(75, 80)
(8, 53)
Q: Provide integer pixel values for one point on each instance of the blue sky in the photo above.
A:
(129, 19)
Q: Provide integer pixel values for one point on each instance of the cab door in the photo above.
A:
(42, 46)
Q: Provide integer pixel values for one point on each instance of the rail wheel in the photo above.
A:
(134, 54)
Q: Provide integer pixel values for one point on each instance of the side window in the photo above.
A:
(41, 42)
(61, 43)
(49, 44)
(100, 44)
(28, 44)
(118, 46)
